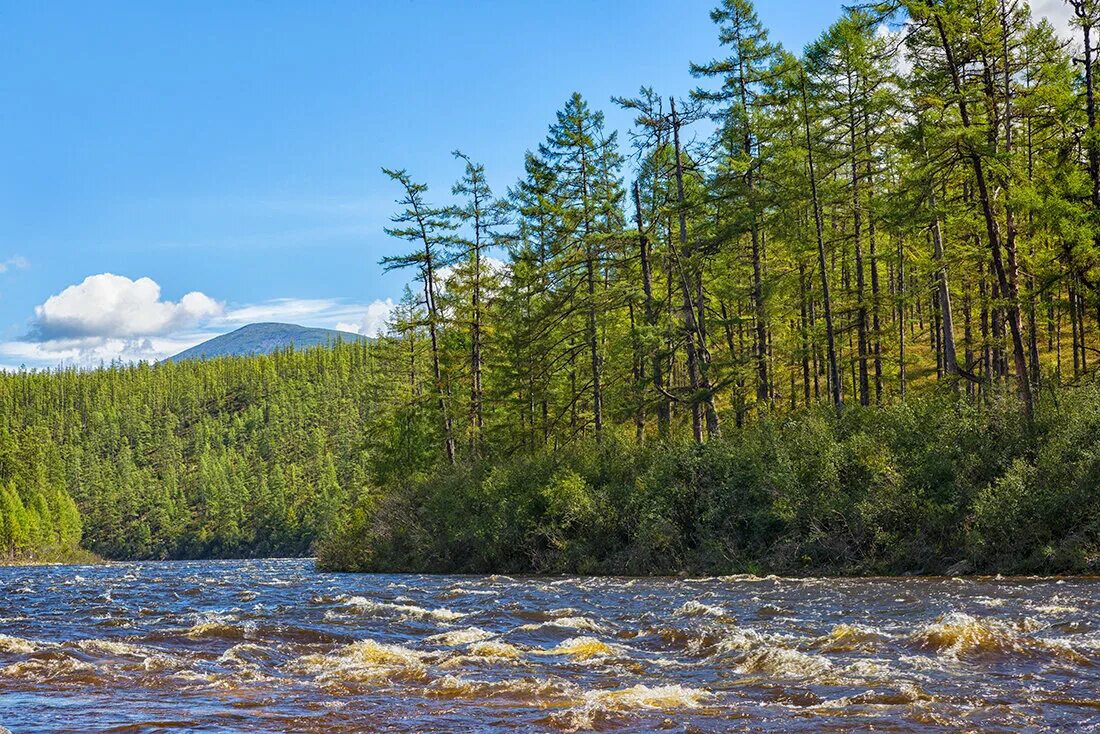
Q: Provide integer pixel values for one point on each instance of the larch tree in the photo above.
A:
(431, 230)
(483, 217)
(585, 165)
(738, 101)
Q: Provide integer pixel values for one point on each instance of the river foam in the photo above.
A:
(246, 646)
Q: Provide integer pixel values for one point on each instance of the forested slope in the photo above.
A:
(263, 338)
(243, 456)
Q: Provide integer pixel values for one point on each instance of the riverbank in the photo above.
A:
(929, 487)
(68, 557)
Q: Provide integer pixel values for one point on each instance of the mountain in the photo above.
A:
(263, 339)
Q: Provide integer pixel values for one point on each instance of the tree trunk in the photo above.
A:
(592, 335)
(702, 399)
(805, 334)
(437, 372)
(876, 326)
(637, 370)
(448, 428)
(901, 318)
(830, 335)
(987, 352)
(947, 324)
(663, 418)
(968, 340)
(1081, 8)
(1006, 276)
(857, 235)
(478, 422)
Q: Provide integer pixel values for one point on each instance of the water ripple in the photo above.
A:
(272, 646)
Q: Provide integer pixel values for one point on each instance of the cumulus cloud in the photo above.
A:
(108, 306)
(493, 267)
(895, 38)
(110, 318)
(373, 322)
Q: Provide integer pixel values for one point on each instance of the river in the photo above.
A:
(273, 646)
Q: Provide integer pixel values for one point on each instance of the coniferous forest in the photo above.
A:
(836, 311)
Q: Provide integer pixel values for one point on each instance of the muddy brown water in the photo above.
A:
(273, 646)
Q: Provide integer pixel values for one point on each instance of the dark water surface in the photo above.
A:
(272, 646)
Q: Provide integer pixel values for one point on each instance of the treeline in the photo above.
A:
(266, 455)
(809, 284)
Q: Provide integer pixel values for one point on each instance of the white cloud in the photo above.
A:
(368, 319)
(19, 262)
(491, 266)
(1059, 13)
(495, 265)
(93, 351)
(108, 306)
(373, 322)
(108, 318)
(281, 309)
(895, 40)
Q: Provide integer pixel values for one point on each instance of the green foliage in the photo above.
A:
(914, 487)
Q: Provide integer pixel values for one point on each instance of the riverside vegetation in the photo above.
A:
(833, 312)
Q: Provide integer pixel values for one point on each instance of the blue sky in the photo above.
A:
(231, 151)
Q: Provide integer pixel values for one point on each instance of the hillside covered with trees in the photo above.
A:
(835, 310)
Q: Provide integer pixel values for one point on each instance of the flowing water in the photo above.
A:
(272, 646)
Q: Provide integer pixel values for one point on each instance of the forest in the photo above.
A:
(830, 311)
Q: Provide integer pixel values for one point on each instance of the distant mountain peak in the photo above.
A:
(264, 338)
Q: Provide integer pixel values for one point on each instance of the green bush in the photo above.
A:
(907, 488)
